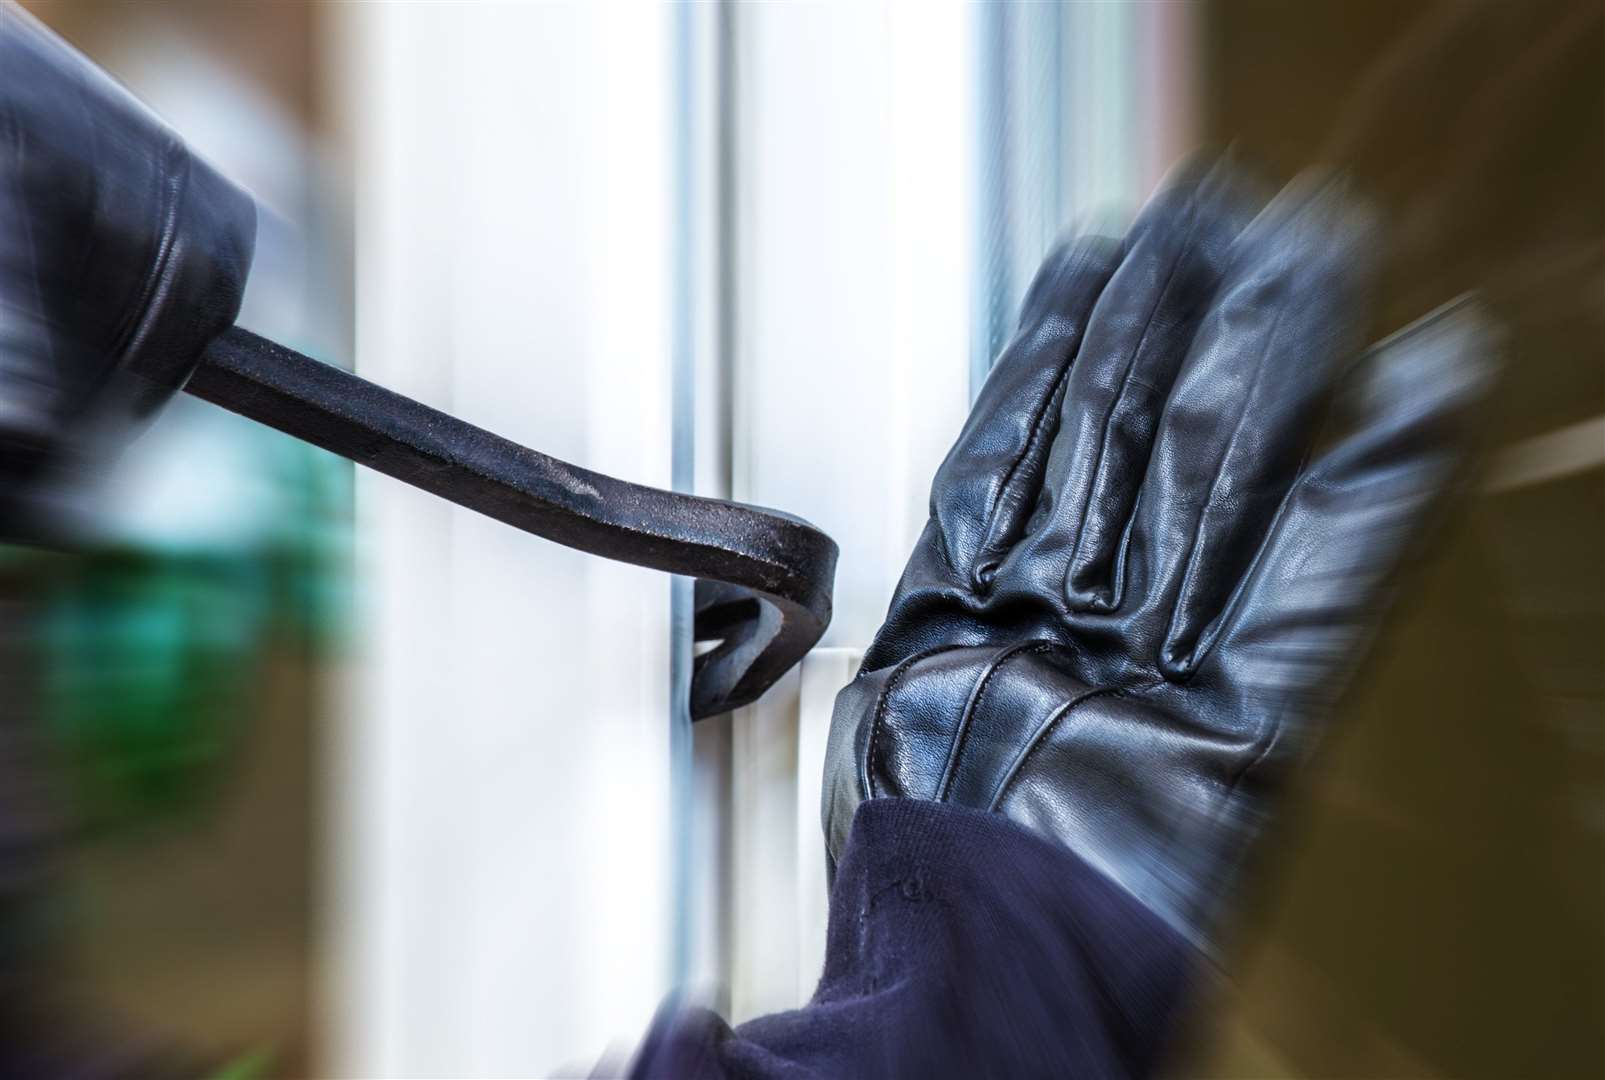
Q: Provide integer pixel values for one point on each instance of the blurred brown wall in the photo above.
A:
(1436, 905)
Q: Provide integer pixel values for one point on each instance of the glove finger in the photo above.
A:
(1351, 517)
(1136, 340)
(989, 480)
(1241, 414)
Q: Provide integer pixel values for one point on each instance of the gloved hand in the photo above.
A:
(1137, 593)
(122, 255)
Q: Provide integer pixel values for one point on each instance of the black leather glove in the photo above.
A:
(122, 255)
(1137, 594)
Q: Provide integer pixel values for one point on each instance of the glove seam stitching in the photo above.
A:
(1212, 633)
(881, 705)
(1050, 406)
(1041, 734)
(1190, 571)
(996, 664)
(1040, 424)
(1125, 376)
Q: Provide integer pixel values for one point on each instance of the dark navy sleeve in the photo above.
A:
(960, 944)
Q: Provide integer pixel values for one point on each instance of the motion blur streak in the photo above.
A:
(280, 796)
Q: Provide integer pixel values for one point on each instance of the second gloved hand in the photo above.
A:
(1138, 590)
